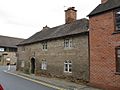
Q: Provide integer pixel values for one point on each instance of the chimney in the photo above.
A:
(45, 28)
(103, 1)
(70, 15)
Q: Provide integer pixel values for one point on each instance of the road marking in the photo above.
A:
(42, 83)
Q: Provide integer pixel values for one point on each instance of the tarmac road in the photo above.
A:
(11, 82)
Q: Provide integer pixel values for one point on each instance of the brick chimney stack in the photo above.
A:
(70, 15)
(103, 1)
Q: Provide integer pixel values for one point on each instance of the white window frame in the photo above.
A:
(68, 43)
(22, 64)
(117, 16)
(2, 49)
(44, 46)
(44, 64)
(68, 66)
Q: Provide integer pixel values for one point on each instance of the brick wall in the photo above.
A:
(102, 51)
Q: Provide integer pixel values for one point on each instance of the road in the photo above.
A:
(11, 82)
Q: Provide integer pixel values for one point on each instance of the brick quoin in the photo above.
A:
(102, 51)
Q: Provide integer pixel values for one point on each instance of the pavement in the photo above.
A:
(55, 83)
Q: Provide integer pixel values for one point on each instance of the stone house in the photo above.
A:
(61, 51)
(8, 49)
(104, 38)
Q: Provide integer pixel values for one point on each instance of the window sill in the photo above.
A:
(116, 32)
(66, 72)
(44, 50)
(68, 48)
(117, 73)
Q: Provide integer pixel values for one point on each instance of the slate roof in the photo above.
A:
(78, 26)
(109, 5)
(6, 41)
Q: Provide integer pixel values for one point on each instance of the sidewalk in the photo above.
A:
(65, 85)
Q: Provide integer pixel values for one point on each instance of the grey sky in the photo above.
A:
(23, 18)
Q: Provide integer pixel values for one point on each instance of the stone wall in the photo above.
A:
(8, 57)
(55, 56)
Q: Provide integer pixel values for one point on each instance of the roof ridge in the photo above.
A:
(11, 37)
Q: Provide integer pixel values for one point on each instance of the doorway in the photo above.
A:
(33, 65)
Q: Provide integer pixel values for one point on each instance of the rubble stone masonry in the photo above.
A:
(56, 55)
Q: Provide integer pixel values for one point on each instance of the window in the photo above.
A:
(118, 59)
(117, 19)
(7, 59)
(68, 43)
(23, 48)
(44, 44)
(0, 58)
(2, 49)
(12, 49)
(44, 65)
(68, 66)
(23, 64)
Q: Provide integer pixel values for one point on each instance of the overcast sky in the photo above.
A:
(23, 18)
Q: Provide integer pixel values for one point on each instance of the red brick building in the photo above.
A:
(105, 45)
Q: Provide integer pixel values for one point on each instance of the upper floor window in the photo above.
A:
(118, 59)
(68, 66)
(2, 49)
(117, 19)
(12, 49)
(44, 45)
(23, 48)
(68, 43)
(44, 65)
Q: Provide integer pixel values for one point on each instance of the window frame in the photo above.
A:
(117, 65)
(68, 69)
(44, 46)
(22, 64)
(2, 49)
(68, 43)
(44, 64)
(116, 22)
(23, 48)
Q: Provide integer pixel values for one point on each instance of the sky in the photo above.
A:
(23, 18)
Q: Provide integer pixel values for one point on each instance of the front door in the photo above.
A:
(32, 65)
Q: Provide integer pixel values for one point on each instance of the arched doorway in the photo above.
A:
(32, 65)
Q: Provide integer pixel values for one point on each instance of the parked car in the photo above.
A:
(1, 88)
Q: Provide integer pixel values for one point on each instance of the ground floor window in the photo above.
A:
(118, 59)
(22, 63)
(44, 65)
(0, 58)
(68, 66)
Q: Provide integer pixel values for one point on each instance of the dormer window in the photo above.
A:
(117, 19)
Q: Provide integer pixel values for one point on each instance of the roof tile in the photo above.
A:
(76, 27)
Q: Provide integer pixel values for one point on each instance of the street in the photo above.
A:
(11, 82)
